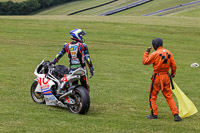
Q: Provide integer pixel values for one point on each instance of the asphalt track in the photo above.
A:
(171, 8)
(92, 7)
(138, 3)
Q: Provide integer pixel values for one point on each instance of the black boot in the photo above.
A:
(177, 117)
(152, 117)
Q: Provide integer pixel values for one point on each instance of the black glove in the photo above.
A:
(91, 72)
(148, 49)
(52, 62)
(172, 75)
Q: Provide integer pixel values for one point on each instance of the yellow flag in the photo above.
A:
(186, 107)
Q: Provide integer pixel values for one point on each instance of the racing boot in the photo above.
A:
(177, 117)
(152, 117)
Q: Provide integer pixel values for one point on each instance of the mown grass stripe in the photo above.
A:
(171, 8)
(179, 9)
(138, 3)
(92, 7)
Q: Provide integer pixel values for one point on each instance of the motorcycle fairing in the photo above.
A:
(44, 86)
(38, 88)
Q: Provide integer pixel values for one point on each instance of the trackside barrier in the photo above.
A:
(171, 8)
(92, 7)
(138, 3)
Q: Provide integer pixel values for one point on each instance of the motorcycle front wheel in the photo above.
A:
(82, 101)
(37, 97)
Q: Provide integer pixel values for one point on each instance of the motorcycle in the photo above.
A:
(55, 86)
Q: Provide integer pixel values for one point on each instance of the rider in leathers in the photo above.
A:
(77, 53)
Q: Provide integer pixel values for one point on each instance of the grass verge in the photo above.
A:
(120, 86)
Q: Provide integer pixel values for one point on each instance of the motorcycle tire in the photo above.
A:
(37, 97)
(82, 100)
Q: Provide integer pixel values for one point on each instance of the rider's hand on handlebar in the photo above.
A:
(52, 62)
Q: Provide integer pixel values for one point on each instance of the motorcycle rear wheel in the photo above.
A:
(82, 101)
(37, 97)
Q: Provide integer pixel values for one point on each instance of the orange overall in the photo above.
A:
(162, 60)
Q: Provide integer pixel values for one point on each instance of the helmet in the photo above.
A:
(77, 34)
(157, 43)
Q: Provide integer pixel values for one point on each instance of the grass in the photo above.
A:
(108, 7)
(72, 7)
(181, 9)
(120, 86)
(79, 5)
(193, 12)
(153, 6)
(137, 11)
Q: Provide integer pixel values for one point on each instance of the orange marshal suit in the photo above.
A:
(162, 61)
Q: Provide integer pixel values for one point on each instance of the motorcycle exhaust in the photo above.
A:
(69, 93)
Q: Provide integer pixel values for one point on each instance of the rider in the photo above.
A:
(77, 53)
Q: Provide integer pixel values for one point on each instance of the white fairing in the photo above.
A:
(36, 73)
(76, 75)
(79, 71)
(44, 86)
(38, 88)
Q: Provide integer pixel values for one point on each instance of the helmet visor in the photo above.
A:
(82, 33)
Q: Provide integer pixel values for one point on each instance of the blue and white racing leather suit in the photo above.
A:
(78, 54)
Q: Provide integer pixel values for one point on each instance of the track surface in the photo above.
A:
(171, 8)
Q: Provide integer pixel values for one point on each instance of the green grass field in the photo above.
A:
(152, 6)
(120, 86)
(193, 12)
(80, 5)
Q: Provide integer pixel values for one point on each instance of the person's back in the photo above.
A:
(162, 60)
(78, 54)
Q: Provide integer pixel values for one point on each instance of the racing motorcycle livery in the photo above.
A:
(56, 87)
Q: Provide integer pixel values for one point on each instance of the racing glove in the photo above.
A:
(53, 62)
(91, 72)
